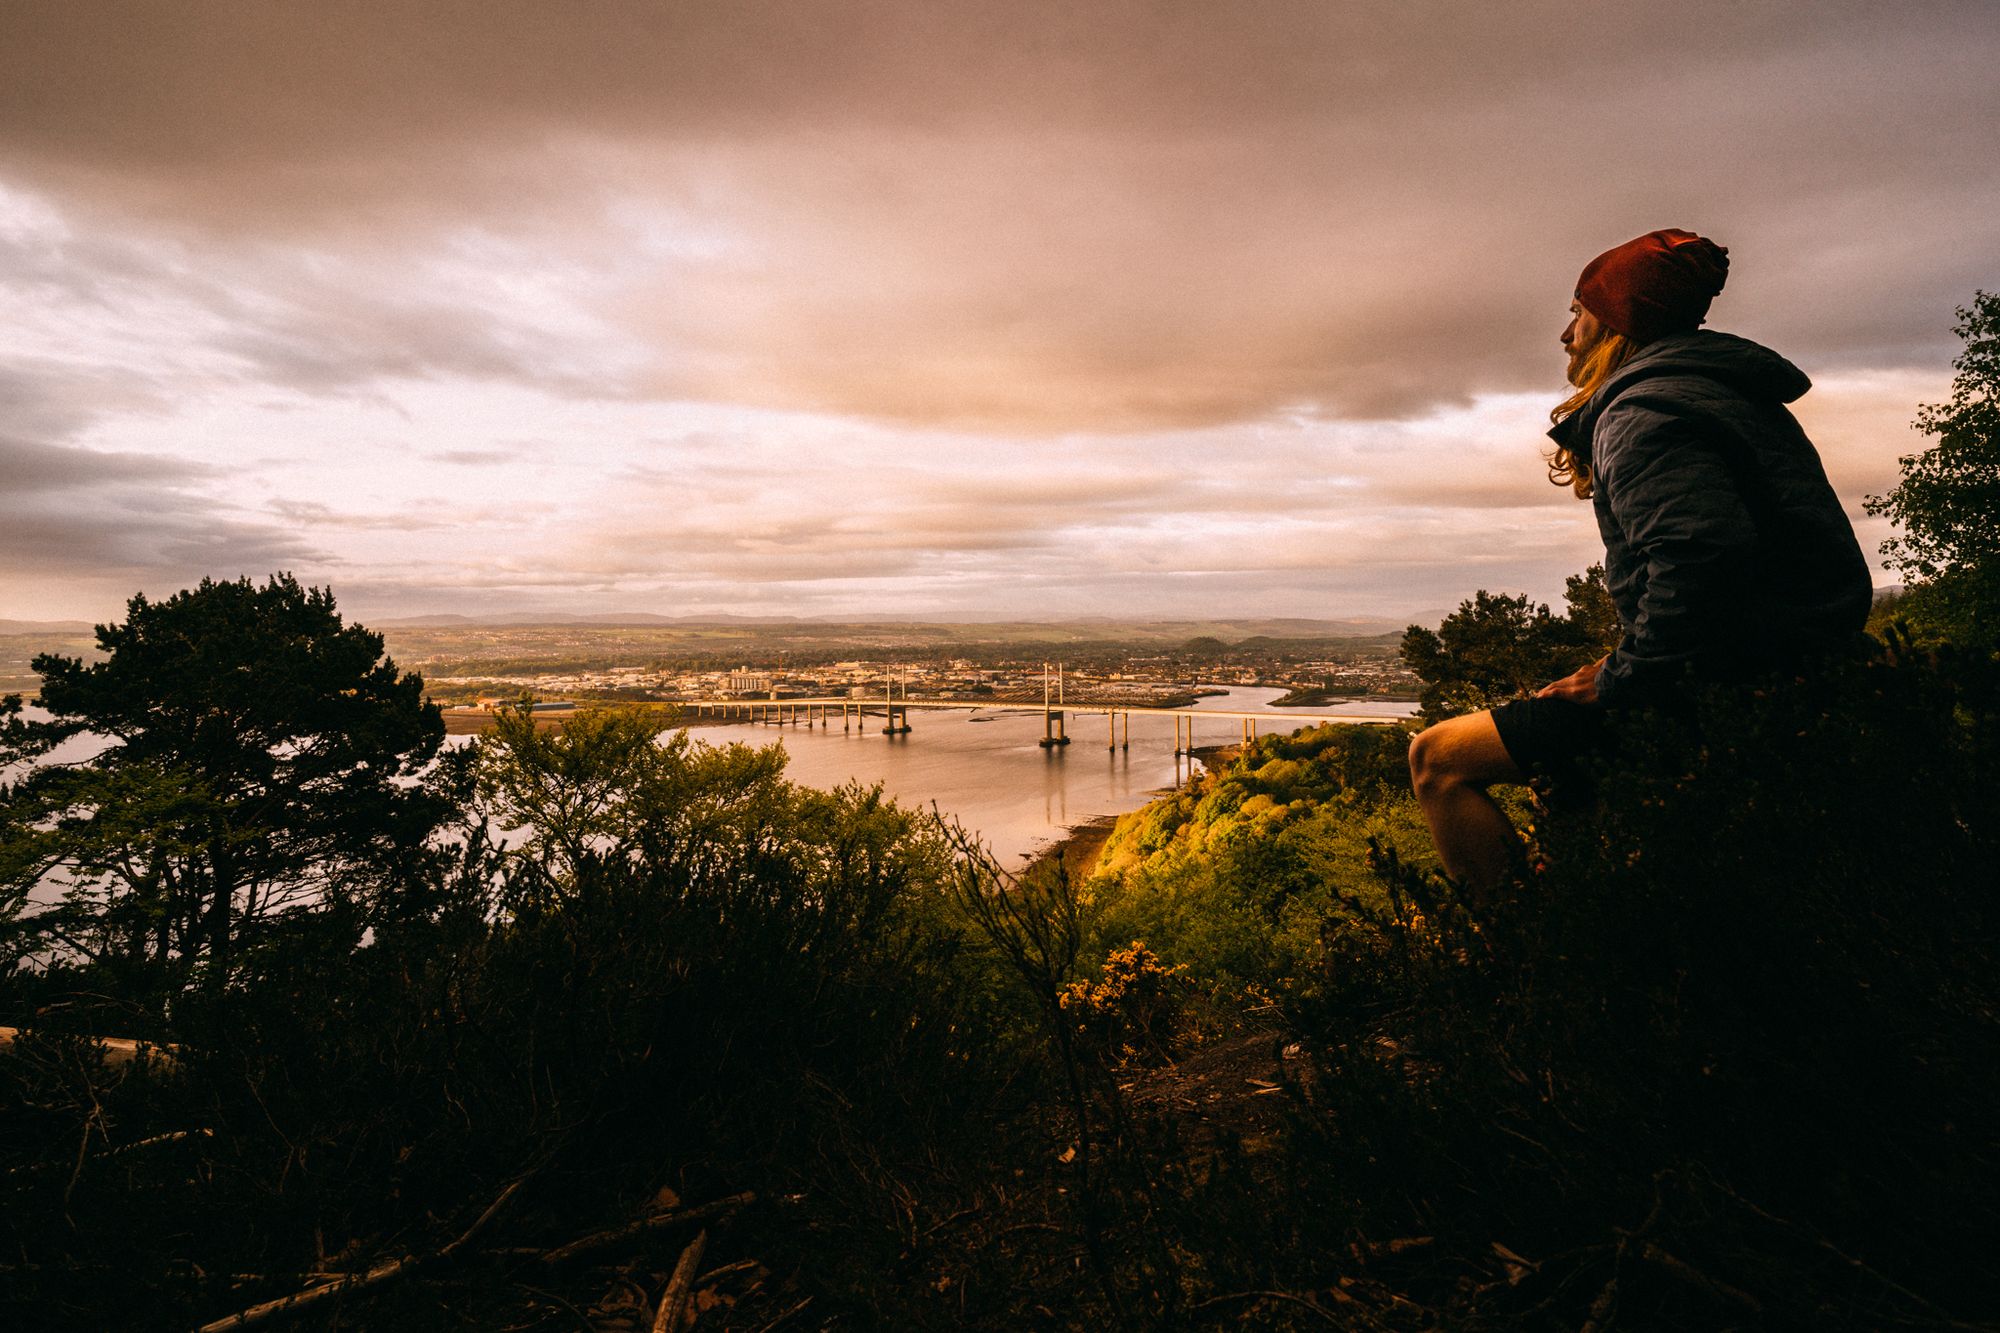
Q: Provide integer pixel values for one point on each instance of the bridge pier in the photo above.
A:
(898, 720)
(1054, 732)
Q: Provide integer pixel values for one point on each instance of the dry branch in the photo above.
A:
(153, 1142)
(598, 1240)
(715, 1275)
(374, 1277)
(117, 1050)
(1699, 1280)
(1292, 1298)
(674, 1300)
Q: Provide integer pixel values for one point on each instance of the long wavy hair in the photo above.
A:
(1600, 363)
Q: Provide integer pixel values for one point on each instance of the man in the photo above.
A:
(1725, 548)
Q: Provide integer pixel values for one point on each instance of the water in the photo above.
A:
(987, 770)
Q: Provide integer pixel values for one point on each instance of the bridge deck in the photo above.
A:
(1013, 706)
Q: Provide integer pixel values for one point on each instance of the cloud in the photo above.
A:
(41, 469)
(79, 513)
(1040, 307)
(476, 457)
(1042, 218)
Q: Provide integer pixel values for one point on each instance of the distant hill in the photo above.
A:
(46, 627)
(446, 619)
(1108, 627)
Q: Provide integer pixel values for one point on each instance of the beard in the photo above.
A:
(1579, 357)
(1574, 371)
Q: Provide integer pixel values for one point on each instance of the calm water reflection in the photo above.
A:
(987, 770)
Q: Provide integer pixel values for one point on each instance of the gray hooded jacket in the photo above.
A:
(1725, 548)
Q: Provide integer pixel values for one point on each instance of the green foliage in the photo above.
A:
(1727, 1055)
(1495, 647)
(1948, 502)
(257, 761)
(1592, 611)
(1233, 876)
(699, 975)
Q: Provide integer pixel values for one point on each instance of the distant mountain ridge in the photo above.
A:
(1289, 627)
(46, 627)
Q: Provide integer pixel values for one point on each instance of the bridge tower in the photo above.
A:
(895, 716)
(1053, 731)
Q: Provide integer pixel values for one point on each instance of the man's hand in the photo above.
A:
(1579, 686)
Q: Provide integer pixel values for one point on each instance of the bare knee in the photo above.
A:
(1463, 752)
(1431, 770)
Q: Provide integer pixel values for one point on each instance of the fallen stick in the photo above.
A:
(374, 1277)
(674, 1300)
(117, 1050)
(1699, 1280)
(1293, 1298)
(119, 1151)
(597, 1240)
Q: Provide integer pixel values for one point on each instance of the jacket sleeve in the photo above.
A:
(1683, 517)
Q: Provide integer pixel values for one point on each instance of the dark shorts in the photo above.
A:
(1552, 738)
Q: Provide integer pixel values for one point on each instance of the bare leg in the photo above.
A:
(1451, 765)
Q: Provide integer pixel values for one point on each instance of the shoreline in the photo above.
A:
(1080, 847)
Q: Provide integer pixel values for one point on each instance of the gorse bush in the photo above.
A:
(1136, 1008)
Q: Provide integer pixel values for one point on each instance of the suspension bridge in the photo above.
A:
(858, 712)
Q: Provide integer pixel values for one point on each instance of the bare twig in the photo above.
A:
(673, 1301)
(785, 1314)
(1697, 1279)
(33, 1167)
(715, 1275)
(1304, 1302)
(598, 1240)
(374, 1277)
(581, 1318)
(942, 1223)
(117, 1051)
(1942, 1316)
(1601, 1309)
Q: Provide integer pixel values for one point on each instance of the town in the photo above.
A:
(1144, 666)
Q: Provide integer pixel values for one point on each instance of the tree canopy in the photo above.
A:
(1948, 502)
(1496, 647)
(255, 757)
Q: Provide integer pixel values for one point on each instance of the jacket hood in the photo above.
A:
(1751, 369)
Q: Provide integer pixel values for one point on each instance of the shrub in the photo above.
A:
(1135, 1010)
(1744, 1009)
(757, 985)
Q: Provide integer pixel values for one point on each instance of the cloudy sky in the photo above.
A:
(965, 310)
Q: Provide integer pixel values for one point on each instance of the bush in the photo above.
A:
(1136, 1010)
(760, 986)
(1744, 1011)
(1232, 877)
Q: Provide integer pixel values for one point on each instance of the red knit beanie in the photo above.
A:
(1658, 284)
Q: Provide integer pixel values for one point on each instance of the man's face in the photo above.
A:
(1583, 333)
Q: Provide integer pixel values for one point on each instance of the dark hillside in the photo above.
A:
(1725, 1054)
